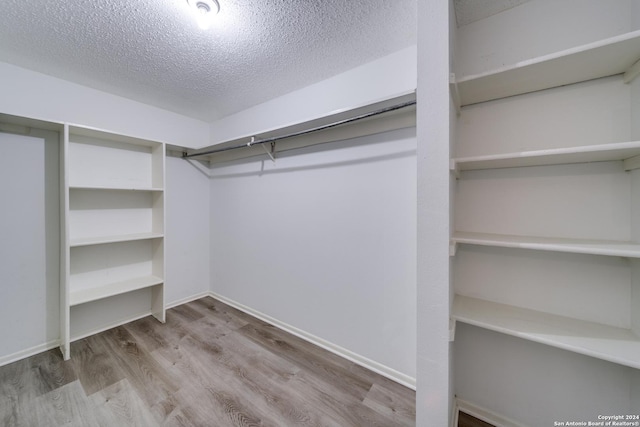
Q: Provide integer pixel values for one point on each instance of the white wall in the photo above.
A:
(187, 230)
(324, 240)
(540, 27)
(386, 77)
(30, 241)
(30, 94)
(537, 384)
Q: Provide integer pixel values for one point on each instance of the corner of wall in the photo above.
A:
(360, 86)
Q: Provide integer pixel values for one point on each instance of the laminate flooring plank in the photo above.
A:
(152, 334)
(229, 316)
(309, 357)
(186, 313)
(215, 394)
(16, 393)
(397, 407)
(148, 378)
(333, 402)
(65, 406)
(51, 371)
(94, 366)
(119, 405)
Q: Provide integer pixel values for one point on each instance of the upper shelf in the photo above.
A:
(627, 151)
(591, 61)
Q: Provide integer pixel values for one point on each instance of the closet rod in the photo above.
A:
(303, 132)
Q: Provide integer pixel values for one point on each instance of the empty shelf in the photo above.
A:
(557, 156)
(616, 345)
(107, 188)
(112, 289)
(591, 61)
(114, 239)
(580, 246)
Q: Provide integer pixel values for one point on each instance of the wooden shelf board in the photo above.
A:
(580, 246)
(591, 61)
(114, 239)
(107, 188)
(556, 156)
(605, 342)
(112, 289)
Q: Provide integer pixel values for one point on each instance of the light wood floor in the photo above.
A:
(209, 365)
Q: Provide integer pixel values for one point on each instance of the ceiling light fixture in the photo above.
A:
(204, 10)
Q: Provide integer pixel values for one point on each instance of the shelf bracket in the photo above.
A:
(455, 93)
(452, 330)
(453, 247)
(632, 72)
(631, 163)
(453, 167)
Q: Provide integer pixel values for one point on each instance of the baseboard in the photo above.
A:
(483, 414)
(187, 299)
(23, 354)
(372, 365)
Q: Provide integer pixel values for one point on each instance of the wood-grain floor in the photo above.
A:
(209, 365)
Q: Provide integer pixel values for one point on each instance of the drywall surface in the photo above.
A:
(29, 241)
(324, 240)
(187, 230)
(389, 76)
(535, 384)
(539, 27)
(434, 395)
(30, 94)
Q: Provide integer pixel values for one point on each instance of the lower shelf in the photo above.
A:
(99, 292)
(579, 246)
(609, 343)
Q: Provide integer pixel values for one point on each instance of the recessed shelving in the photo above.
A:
(579, 246)
(604, 58)
(113, 192)
(629, 152)
(605, 342)
(99, 292)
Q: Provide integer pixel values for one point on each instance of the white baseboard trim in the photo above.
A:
(482, 414)
(187, 299)
(372, 365)
(23, 354)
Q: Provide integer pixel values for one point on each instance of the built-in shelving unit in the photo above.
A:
(604, 58)
(113, 227)
(617, 339)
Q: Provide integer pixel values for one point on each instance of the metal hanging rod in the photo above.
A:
(303, 132)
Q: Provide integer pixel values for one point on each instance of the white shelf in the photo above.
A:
(114, 239)
(97, 187)
(112, 289)
(626, 151)
(591, 61)
(593, 339)
(580, 246)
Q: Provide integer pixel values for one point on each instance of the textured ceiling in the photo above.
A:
(152, 51)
